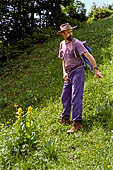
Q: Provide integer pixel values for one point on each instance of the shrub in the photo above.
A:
(99, 13)
(27, 44)
(103, 110)
(20, 138)
(50, 150)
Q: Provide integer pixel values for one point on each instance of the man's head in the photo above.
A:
(66, 31)
(67, 35)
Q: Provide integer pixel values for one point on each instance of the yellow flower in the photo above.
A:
(19, 113)
(20, 110)
(29, 110)
(27, 124)
(7, 122)
(2, 125)
(108, 166)
(19, 117)
(15, 105)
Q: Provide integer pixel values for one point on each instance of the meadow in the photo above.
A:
(31, 137)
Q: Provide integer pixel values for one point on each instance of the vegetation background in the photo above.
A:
(30, 92)
(34, 22)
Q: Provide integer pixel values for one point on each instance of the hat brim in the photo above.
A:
(59, 32)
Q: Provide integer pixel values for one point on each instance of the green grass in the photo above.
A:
(36, 80)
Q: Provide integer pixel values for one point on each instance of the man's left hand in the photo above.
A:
(98, 74)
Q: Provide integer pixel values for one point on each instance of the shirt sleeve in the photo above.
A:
(61, 53)
(80, 47)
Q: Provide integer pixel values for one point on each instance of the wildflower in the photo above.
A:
(2, 125)
(20, 110)
(27, 124)
(29, 111)
(15, 105)
(7, 122)
(108, 166)
(19, 117)
(19, 113)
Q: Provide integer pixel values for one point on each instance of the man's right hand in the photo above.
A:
(65, 77)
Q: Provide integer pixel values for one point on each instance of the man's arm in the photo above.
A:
(93, 62)
(65, 75)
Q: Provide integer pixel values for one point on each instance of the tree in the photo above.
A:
(110, 7)
(17, 19)
(49, 11)
(17, 16)
(99, 13)
(75, 10)
(93, 8)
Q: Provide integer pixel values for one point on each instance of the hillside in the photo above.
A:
(39, 141)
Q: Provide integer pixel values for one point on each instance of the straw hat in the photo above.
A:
(65, 27)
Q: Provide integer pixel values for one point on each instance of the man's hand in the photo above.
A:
(93, 62)
(98, 74)
(65, 77)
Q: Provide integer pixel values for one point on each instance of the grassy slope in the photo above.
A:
(39, 76)
(38, 82)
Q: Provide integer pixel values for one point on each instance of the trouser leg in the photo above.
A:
(66, 99)
(77, 93)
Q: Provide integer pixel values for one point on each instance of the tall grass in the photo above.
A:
(36, 80)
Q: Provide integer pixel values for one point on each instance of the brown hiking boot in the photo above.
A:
(75, 127)
(64, 120)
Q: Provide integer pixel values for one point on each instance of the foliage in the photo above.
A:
(50, 150)
(13, 24)
(36, 80)
(23, 137)
(76, 10)
(54, 149)
(99, 13)
(103, 109)
(27, 44)
(18, 18)
(24, 141)
(49, 12)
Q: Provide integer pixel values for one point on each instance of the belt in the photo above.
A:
(73, 68)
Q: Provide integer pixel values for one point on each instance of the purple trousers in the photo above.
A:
(72, 94)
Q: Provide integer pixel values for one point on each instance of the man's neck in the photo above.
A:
(67, 41)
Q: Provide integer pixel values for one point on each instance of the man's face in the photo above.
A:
(67, 35)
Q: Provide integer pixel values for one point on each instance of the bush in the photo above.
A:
(26, 45)
(72, 21)
(99, 13)
(20, 142)
(22, 139)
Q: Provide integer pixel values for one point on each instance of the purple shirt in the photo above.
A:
(66, 53)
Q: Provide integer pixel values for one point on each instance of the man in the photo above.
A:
(74, 76)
